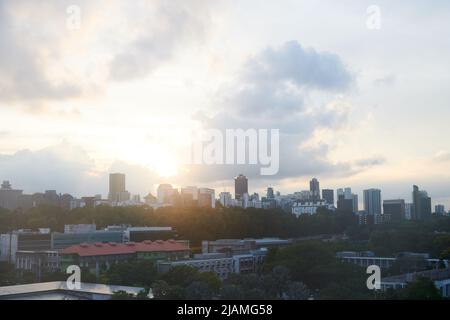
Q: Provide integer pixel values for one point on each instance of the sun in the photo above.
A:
(156, 157)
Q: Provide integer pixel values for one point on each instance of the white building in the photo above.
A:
(225, 199)
(409, 207)
(79, 228)
(165, 193)
(308, 207)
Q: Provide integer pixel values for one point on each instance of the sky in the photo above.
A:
(357, 89)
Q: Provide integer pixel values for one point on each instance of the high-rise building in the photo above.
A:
(422, 204)
(395, 209)
(439, 209)
(189, 196)
(314, 188)
(409, 211)
(240, 186)
(165, 193)
(372, 201)
(206, 198)
(270, 194)
(225, 199)
(328, 196)
(117, 190)
(355, 203)
(346, 200)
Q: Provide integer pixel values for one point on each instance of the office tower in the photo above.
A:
(189, 196)
(355, 203)
(314, 188)
(304, 195)
(421, 204)
(346, 200)
(165, 193)
(206, 198)
(372, 201)
(117, 191)
(225, 199)
(439, 209)
(395, 209)
(51, 198)
(328, 196)
(240, 186)
(270, 194)
(409, 211)
(9, 198)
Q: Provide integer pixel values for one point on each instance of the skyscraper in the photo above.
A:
(117, 191)
(165, 193)
(395, 209)
(206, 198)
(240, 186)
(439, 209)
(355, 203)
(421, 204)
(270, 194)
(372, 201)
(314, 188)
(346, 200)
(328, 196)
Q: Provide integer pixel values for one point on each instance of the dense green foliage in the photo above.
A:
(194, 224)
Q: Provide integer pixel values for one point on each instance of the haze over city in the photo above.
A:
(356, 106)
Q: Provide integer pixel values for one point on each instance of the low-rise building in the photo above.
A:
(440, 277)
(37, 262)
(100, 256)
(58, 290)
(222, 264)
(24, 240)
(241, 246)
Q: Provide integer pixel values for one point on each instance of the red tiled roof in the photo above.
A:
(101, 249)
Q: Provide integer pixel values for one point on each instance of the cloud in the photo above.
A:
(63, 167)
(164, 28)
(41, 60)
(295, 89)
(388, 80)
(25, 49)
(442, 156)
(68, 168)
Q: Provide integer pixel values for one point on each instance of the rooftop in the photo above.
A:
(41, 289)
(113, 248)
(435, 275)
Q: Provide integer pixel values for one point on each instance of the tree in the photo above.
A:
(297, 291)
(198, 290)
(421, 289)
(232, 292)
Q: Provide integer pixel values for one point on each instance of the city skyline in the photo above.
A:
(370, 112)
(372, 201)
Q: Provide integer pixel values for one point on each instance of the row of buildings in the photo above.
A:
(375, 210)
(42, 251)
